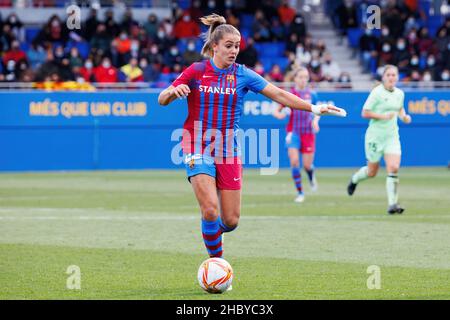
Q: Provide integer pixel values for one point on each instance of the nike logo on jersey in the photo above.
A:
(209, 89)
(208, 76)
(237, 179)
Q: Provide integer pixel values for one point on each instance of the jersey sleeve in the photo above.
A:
(371, 101)
(254, 81)
(186, 77)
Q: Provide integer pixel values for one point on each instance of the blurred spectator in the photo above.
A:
(260, 27)
(442, 40)
(303, 56)
(248, 56)
(259, 68)
(298, 26)
(75, 59)
(6, 37)
(101, 40)
(155, 56)
(127, 21)
(16, 26)
(393, 21)
(65, 70)
(414, 63)
(90, 25)
(411, 23)
(195, 10)
(286, 13)
(269, 9)
(276, 74)
(87, 71)
(105, 72)
(15, 53)
(386, 53)
(315, 70)
(151, 26)
(402, 56)
(347, 16)
(232, 18)
(291, 45)
(54, 32)
(121, 49)
(330, 69)
(368, 45)
(9, 72)
(151, 73)
(36, 55)
(132, 71)
(112, 28)
(425, 42)
(344, 81)
(172, 57)
(445, 75)
(186, 28)
(191, 54)
(277, 30)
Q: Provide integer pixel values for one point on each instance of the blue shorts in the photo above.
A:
(198, 163)
(292, 140)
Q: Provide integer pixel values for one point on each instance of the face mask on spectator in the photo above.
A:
(88, 65)
(154, 50)
(134, 46)
(368, 32)
(12, 19)
(228, 3)
(412, 36)
(186, 18)
(191, 47)
(174, 51)
(10, 65)
(401, 45)
(386, 48)
(315, 63)
(431, 61)
(160, 34)
(345, 79)
(143, 64)
(427, 77)
(298, 20)
(106, 64)
(211, 4)
(445, 76)
(385, 32)
(123, 36)
(414, 61)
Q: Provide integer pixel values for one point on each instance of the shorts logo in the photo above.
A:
(191, 164)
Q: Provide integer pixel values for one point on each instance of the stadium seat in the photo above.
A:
(353, 37)
(270, 49)
(246, 21)
(31, 33)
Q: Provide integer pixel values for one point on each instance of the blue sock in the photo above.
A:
(310, 173)
(297, 177)
(224, 227)
(212, 236)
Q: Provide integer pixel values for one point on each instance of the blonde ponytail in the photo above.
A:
(217, 28)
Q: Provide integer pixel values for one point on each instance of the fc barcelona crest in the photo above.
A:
(230, 78)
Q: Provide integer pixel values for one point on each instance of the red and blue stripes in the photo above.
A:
(212, 237)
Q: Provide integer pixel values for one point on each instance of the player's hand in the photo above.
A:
(328, 109)
(389, 115)
(315, 126)
(181, 91)
(407, 119)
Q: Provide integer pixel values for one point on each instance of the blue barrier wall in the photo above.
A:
(129, 130)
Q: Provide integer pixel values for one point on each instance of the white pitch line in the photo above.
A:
(190, 217)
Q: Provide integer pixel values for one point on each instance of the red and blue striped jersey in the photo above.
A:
(215, 106)
(300, 121)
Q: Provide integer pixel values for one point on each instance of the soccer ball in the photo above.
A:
(215, 275)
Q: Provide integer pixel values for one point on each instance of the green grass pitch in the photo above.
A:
(136, 235)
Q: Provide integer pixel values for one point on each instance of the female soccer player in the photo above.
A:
(301, 130)
(382, 107)
(215, 90)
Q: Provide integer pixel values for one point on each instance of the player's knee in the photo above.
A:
(231, 222)
(307, 167)
(393, 169)
(210, 211)
(371, 173)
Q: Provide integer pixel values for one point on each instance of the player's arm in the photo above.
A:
(315, 123)
(406, 118)
(171, 93)
(286, 98)
(368, 114)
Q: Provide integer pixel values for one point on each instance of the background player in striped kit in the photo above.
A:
(215, 90)
(383, 106)
(300, 133)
